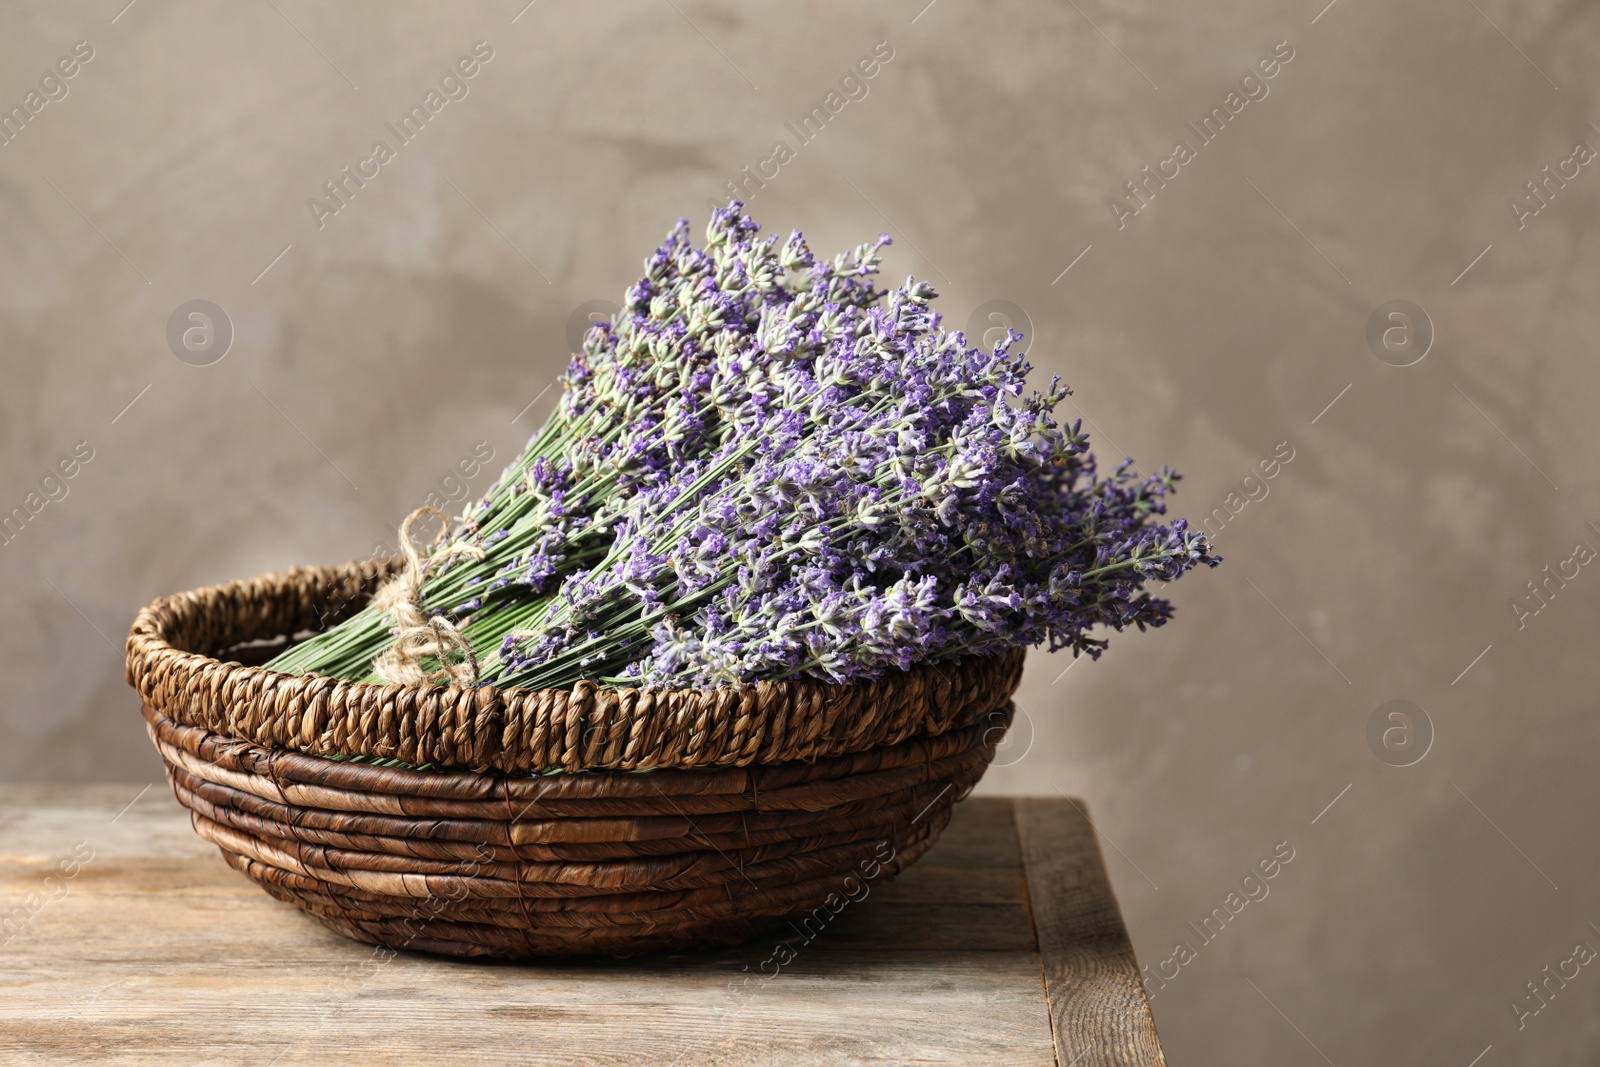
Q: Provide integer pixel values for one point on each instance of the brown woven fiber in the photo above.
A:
(596, 862)
(171, 664)
(756, 804)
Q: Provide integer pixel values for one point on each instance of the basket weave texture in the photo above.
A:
(599, 863)
(515, 731)
(762, 803)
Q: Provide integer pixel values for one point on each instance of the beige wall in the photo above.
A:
(1215, 324)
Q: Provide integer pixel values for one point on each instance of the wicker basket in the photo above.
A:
(763, 802)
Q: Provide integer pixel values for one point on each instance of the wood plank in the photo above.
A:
(938, 883)
(1098, 1008)
(877, 925)
(982, 836)
(43, 821)
(980, 1008)
(159, 953)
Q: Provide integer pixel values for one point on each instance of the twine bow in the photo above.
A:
(416, 635)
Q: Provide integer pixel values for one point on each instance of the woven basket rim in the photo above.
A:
(514, 730)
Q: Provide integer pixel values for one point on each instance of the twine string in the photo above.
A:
(416, 635)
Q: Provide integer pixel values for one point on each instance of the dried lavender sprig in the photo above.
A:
(711, 345)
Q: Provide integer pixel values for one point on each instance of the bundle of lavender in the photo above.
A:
(766, 467)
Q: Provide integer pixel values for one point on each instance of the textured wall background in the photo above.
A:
(1227, 318)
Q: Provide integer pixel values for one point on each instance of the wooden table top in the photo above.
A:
(127, 939)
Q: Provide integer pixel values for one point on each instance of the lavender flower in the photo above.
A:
(765, 466)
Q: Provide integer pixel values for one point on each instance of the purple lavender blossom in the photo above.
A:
(815, 477)
(766, 466)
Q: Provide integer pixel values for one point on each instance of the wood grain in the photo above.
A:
(1098, 1009)
(158, 953)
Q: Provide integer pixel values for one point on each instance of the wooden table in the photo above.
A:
(128, 940)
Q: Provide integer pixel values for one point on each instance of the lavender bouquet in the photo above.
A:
(764, 466)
